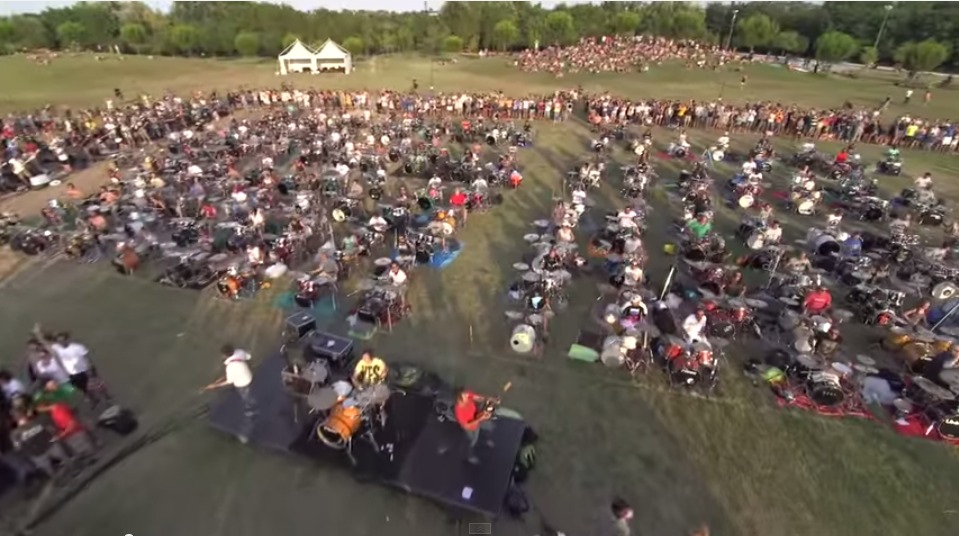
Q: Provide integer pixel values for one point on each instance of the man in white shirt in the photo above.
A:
(923, 182)
(74, 358)
(695, 326)
(773, 234)
(237, 373)
(633, 275)
(379, 224)
(627, 218)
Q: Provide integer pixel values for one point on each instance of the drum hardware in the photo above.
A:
(931, 389)
(523, 339)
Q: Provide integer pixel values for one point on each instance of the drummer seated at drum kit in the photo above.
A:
(694, 327)
(326, 267)
(626, 218)
(734, 285)
(827, 343)
(378, 224)
(916, 317)
(773, 233)
(398, 278)
(369, 370)
(851, 247)
(564, 235)
(817, 301)
(698, 228)
(799, 264)
(941, 362)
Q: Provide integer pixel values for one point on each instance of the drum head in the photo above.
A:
(520, 266)
(756, 241)
(541, 224)
(826, 395)
(865, 369)
(789, 301)
(903, 405)
(746, 201)
(322, 399)
(514, 315)
(949, 427)
(865, 360)
(806, 206)
(383, 261)
(808, 361)
(531, 237)
(843, 369)
(931, 388)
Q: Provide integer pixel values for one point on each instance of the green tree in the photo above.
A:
(453, 43)
(288, 40)
(689, 24)
(868, 56)
(790, 42)
(247, 43)
(71, 34)
(559, 29)
(505, 34)
(756, 31)
(920, 57)
(134, 35)
(625, 23)
(185, 38)
(32, 33)
(833, 47)
(355, 45)
(8, 32)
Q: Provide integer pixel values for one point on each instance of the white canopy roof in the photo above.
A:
(332, 51)
(297, 51)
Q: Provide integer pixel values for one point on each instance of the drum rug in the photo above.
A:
(851, 406)
(689, 156)
(916, 425)
(285, 301)
(442, 259)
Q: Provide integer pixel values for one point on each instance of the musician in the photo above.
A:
(326, 266)
(396, 275)
(733, 284)
(694, 326)
(458, 203)
(773, 234)
(378, 223)
(765, 212)
(552, 261)
(923, 182)
(127, 260)
(369, 371)
(834, 219)
(827, 343)
(405, 252)
(852, 246)
(626, 218)
(254, 255)
(817, 301)
(798, 264)
(472, 413)
(578, 195)
(933, 369)
(633, 275)
(616, 523)
(559, 213)
(916, 317)
(699, 227)
(564, 234)
(238, 374)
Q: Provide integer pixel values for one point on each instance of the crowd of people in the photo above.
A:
(845, 123)
(619, 54)
(44, 428)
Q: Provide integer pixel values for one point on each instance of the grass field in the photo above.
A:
(734, 462)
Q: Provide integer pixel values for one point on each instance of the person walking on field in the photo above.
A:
(237, 373)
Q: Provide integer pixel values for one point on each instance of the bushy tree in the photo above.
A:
(834, 47)
(923, 56)
(355, 45)
(71, 34)
(185, 38)
(559, 29)
(453, 43)
(625, 23)
(247, 43)
(133, 35)
(756, 31)
(505, 34)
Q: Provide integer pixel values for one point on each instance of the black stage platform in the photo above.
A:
(417, 452)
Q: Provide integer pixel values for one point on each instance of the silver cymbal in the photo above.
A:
(521, 266)
(531, 237)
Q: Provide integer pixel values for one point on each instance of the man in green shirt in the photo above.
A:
(700, 227)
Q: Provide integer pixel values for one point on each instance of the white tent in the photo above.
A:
(333, 57)
(297, 58)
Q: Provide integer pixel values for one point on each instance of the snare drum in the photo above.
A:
(372, 396)
(788, 320)
(339, 427)
(746, 200)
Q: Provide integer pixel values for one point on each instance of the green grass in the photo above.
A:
(735, 462)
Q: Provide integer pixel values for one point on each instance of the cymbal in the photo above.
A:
(531, 237)
(542, 224)
(514, 315)
(863, 359)
(789, 301)
(932, 389)
(865, 369)
(521, 266)
(755, 304)
(809, 361)
(531, 277)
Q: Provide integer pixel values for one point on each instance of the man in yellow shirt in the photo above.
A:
(369, 370)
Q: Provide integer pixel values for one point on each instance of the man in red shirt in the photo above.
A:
(69, 429)
(817, 301)
(458, 202)
(470, 416)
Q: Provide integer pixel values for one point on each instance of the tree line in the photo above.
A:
(919, 36)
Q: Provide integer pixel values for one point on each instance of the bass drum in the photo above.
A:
(341, 212)
(825, 389)
(228, 286)
(340, 426)
(722, 329)
(393, 155)
(826, 245)
(424, 253)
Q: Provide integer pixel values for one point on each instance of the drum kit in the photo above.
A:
(824, 384)
(349, 412)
